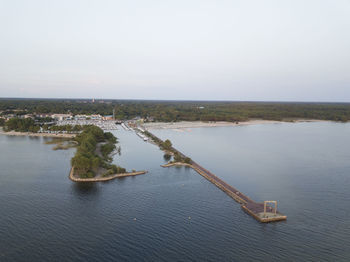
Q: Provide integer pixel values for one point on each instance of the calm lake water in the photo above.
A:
(174, 214)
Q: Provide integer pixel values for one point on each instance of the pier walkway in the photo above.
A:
(260, 211)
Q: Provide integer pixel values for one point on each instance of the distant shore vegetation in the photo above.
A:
(169, 111)
(21, 125)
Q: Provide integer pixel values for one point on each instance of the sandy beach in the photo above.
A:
(14, 133)
(196, 124)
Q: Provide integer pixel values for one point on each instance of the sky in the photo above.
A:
(255, 50)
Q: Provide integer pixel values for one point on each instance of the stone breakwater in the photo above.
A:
(102, 179)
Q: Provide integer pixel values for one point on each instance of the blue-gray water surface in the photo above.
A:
(174, 214)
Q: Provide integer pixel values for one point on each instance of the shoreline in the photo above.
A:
(15, 133)
(182, 125)
(102, 179)
(198, 124)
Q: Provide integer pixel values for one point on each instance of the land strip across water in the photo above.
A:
(102, 179)
(15, 133)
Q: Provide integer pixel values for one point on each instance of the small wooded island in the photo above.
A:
(92, 160)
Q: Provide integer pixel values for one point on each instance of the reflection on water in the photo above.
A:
(167, 157)
(85, 188)
(34, 138)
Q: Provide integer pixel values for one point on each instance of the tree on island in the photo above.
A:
(177, 157)
(187, 160)
(21, 125)
(81, 163)
(167, 144)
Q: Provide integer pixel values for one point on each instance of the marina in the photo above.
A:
(103, 124)
(144, 137)
(125, 126)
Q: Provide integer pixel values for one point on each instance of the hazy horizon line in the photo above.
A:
(173, 100)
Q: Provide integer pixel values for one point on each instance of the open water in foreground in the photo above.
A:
(174, 214)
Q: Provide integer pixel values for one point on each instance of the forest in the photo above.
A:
(168, 111)
(21, 125)
(29, 125)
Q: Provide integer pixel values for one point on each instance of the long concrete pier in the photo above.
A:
(262, 212)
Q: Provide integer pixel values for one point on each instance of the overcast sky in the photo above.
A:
(275, 50)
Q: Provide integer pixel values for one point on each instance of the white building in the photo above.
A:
(61, 117)
(96, 117)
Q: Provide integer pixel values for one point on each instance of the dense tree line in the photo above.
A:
(21, 125)
(87, 160)
(167, 111)
(67, 128)
(43, 119)
(30, 125)
(45, 106)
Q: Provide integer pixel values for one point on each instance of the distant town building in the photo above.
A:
(80, 117)
(107, 118)
(61, 117)
(95, 117)
(28, 116)
(43, 115)
(84, 117)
